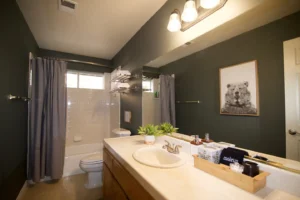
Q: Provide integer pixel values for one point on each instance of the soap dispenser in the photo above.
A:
(196, 141)
(207, 138)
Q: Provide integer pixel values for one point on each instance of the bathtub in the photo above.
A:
(74, 154)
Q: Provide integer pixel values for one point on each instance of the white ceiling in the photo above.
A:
(98, 28)
(263, 13)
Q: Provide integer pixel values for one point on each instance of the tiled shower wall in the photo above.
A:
(89, 114)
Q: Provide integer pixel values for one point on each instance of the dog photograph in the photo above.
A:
(239, 89)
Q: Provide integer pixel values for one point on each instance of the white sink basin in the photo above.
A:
(157, 157)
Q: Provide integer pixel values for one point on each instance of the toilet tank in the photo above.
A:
(120, 132)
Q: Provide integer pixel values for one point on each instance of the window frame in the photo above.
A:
(151, 85)
(86, 73)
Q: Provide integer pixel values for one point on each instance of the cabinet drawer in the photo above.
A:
(107, 158)
(132, 188)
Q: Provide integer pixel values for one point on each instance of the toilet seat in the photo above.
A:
(92, 159)
(91, 168)
(93, 165)
(91, 162)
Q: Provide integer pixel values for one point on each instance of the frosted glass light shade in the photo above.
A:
(174, 22)
(190, 12)
(208, 4)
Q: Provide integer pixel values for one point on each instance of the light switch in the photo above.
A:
(127, 117)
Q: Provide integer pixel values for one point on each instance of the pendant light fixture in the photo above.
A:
(174, 24)
(209, 4)
(190, 12)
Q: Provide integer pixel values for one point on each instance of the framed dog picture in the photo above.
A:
(239, 89)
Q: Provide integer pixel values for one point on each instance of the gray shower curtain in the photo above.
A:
(47, 119)
(167, 99)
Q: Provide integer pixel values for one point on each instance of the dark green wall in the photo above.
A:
(150, 42)
(151, 72)
(197, 78)
(16, 42)
(79, 66)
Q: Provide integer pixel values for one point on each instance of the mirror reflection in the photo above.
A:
(195, 101)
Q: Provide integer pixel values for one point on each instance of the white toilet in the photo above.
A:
(120, 132)
(93, 164)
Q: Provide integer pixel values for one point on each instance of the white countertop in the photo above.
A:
(185, 182)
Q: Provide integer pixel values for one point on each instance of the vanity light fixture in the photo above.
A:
(190, 12)
(209, 4)
(175, 21)
(193, 13)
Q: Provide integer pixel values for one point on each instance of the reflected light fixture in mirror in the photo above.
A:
(174, 22)
(190, 12)
(208, 4)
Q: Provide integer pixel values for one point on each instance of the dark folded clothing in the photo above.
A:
(231, 155)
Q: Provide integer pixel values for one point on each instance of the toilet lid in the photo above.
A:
(94, 158)
(121, 132)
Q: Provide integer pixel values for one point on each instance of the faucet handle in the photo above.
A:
(166, 145)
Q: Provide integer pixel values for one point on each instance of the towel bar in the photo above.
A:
(12, 97)
(189, 102)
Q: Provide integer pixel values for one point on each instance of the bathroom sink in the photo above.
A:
(157, 157)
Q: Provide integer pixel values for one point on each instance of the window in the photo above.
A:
(147, 86)
(91, 81)
(85, 80)
(72, 79)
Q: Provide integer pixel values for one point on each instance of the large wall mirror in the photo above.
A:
(274, 130)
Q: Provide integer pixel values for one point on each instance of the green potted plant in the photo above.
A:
(150, 131)
(167, 128)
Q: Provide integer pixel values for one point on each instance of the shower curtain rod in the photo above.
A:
(77, 61)
(80, 61)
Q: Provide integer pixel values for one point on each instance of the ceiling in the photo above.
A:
(98, 28)
(263, 13)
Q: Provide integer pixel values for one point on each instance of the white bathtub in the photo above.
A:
(74, 154)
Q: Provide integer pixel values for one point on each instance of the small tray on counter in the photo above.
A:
(248, 183)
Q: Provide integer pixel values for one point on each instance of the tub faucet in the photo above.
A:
(170, 149)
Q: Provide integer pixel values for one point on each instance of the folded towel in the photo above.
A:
(231, 155)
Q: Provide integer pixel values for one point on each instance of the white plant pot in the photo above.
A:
(149, 139)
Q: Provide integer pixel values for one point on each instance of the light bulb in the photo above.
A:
(208, 4)
(190, 12)
(174, 22)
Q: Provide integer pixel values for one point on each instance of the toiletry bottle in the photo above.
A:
(207, 138)
(196, 141)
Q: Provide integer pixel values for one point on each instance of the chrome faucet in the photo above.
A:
(171, 149)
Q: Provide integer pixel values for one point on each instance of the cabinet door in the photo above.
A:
(133, 189)
(108, 159)
(107, 184)
(118, 192)
(111, 188)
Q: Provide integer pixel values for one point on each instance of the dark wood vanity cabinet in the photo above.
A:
(118, 183)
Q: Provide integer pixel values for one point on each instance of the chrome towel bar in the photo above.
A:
(197, 102)
(12, 97)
